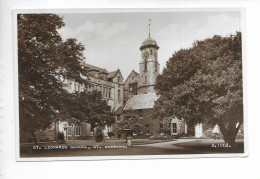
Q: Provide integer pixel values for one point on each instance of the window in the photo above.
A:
(130, 87)
(174, 128)
(92, 127)
(136, 130)
(161, 128)
(147, 129)
(155, 64)
(75, 87)
(141, 113)
(118, 95)
(145, 65)
(145, 80)
(109, 92)
(103, 91)
(134, 88)
(118, 117)
(118, 79)
(70, 86)
(69, 129)
(151, 51)
(106, 92)
(76, 130)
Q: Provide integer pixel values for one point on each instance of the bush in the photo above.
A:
(110, 134)
(61, 136)
(99, 138)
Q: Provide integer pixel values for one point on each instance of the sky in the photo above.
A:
(112, 40)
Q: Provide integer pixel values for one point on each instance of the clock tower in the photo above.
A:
(148, 66)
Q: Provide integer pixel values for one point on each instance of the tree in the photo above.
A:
(204, 84)
(44, 62)
(130, 121)
(91, 108)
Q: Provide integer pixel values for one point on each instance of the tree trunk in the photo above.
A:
(230, 140)
(33, 136)
(229, 132)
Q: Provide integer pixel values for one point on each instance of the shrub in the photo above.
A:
(61, 136)
(99, 138)
(110, 134)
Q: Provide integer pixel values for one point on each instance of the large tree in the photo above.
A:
(90, 107)
(44, 62)
(204, 84)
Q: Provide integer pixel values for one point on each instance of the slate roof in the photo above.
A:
(92, 67)
(119, 110)
(112, 74)
(141, 101)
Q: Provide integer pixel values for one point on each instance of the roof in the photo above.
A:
(112, 74)
(149, 42)
(92, 67)
(132, 72)
(119, 110)
(141, 101)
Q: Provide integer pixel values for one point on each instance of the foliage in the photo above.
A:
(61, 136)
(99, 134)
(204, 84)
(110, 134)
(130, 121)
(91, 108)
(45, 63)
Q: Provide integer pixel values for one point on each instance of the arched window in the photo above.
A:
(151, 51)
(145, 65)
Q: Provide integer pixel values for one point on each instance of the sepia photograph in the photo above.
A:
(129, 83)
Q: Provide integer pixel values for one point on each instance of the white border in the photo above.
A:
(127, 157)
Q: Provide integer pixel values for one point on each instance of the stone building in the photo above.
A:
(140, 95)
(110, 84)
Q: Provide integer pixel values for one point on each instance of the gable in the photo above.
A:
(132, 77)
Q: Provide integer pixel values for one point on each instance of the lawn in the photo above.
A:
(211, 145)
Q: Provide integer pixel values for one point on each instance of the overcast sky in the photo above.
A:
(112, 40)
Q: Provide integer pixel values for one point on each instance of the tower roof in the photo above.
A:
(149, 42)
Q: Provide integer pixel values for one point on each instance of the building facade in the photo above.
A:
(110, 84)
(140, 95)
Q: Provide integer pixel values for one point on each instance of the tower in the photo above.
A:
(148, 66)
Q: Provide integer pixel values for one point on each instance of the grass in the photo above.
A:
(119, 147)
(210, 145)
